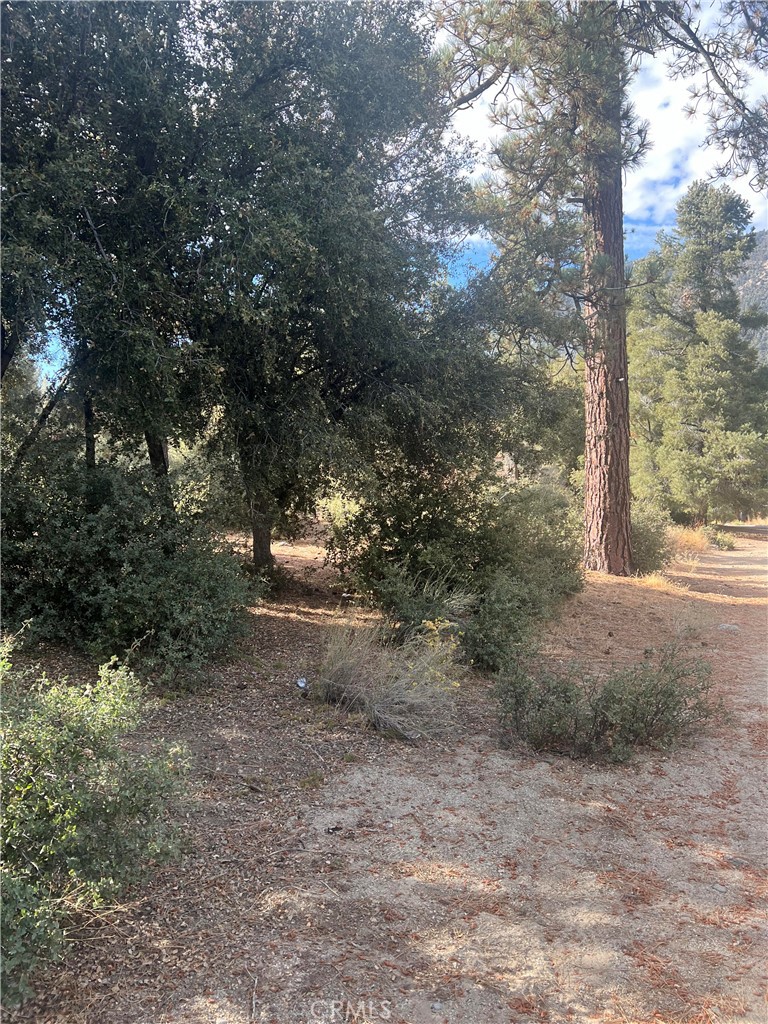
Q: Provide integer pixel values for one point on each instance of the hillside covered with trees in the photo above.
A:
(228, 318)
(752, 286)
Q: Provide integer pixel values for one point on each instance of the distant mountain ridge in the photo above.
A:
(752, 286)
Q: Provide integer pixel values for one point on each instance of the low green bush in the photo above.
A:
(657, 703)
(495, 565)
(534, 531)
(651, 543)
(531, 543)
(102, 559)
(81, 814)
(504, 617)
(412, 603)
(718, 539)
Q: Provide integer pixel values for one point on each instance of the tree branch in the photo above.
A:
(98, 243)
(465, 98)
(696, 46)
(45, 413)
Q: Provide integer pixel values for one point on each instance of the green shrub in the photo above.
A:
(567, 710)
(531, 544)
(718, 539)
(407, 690)
(336, 509)
(534, 532)
(503, 620)
(651, 544)
(413, 603)
(497, 563)
(205, 485)
(104, 560)
(80, 813)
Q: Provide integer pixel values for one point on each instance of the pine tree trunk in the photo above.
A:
(607, 545)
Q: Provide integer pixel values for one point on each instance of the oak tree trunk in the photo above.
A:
(261, 530)
(89, 425)
(157, 448)
(258, 503)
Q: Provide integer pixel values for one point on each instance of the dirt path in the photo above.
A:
(330, 875)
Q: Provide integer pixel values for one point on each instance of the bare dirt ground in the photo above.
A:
(328, 874)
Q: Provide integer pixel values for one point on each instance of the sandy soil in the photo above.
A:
(329, 875)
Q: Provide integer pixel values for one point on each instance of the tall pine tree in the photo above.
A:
(561, 69)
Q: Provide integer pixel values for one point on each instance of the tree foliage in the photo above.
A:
(98, 146)
(256, 200)
(698, 390)
(310, 298)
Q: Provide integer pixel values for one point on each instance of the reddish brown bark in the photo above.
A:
(607, 546)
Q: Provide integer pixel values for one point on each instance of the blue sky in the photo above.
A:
(677, 158)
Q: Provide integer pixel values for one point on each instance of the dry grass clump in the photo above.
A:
(687, 542)
(658, 581)
(407, 691)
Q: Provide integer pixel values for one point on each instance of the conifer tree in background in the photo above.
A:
(560, 70)
(698, 391)
(752, 288)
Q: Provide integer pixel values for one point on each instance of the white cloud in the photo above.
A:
(677, 158)
(678, 155)
(474, 123)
